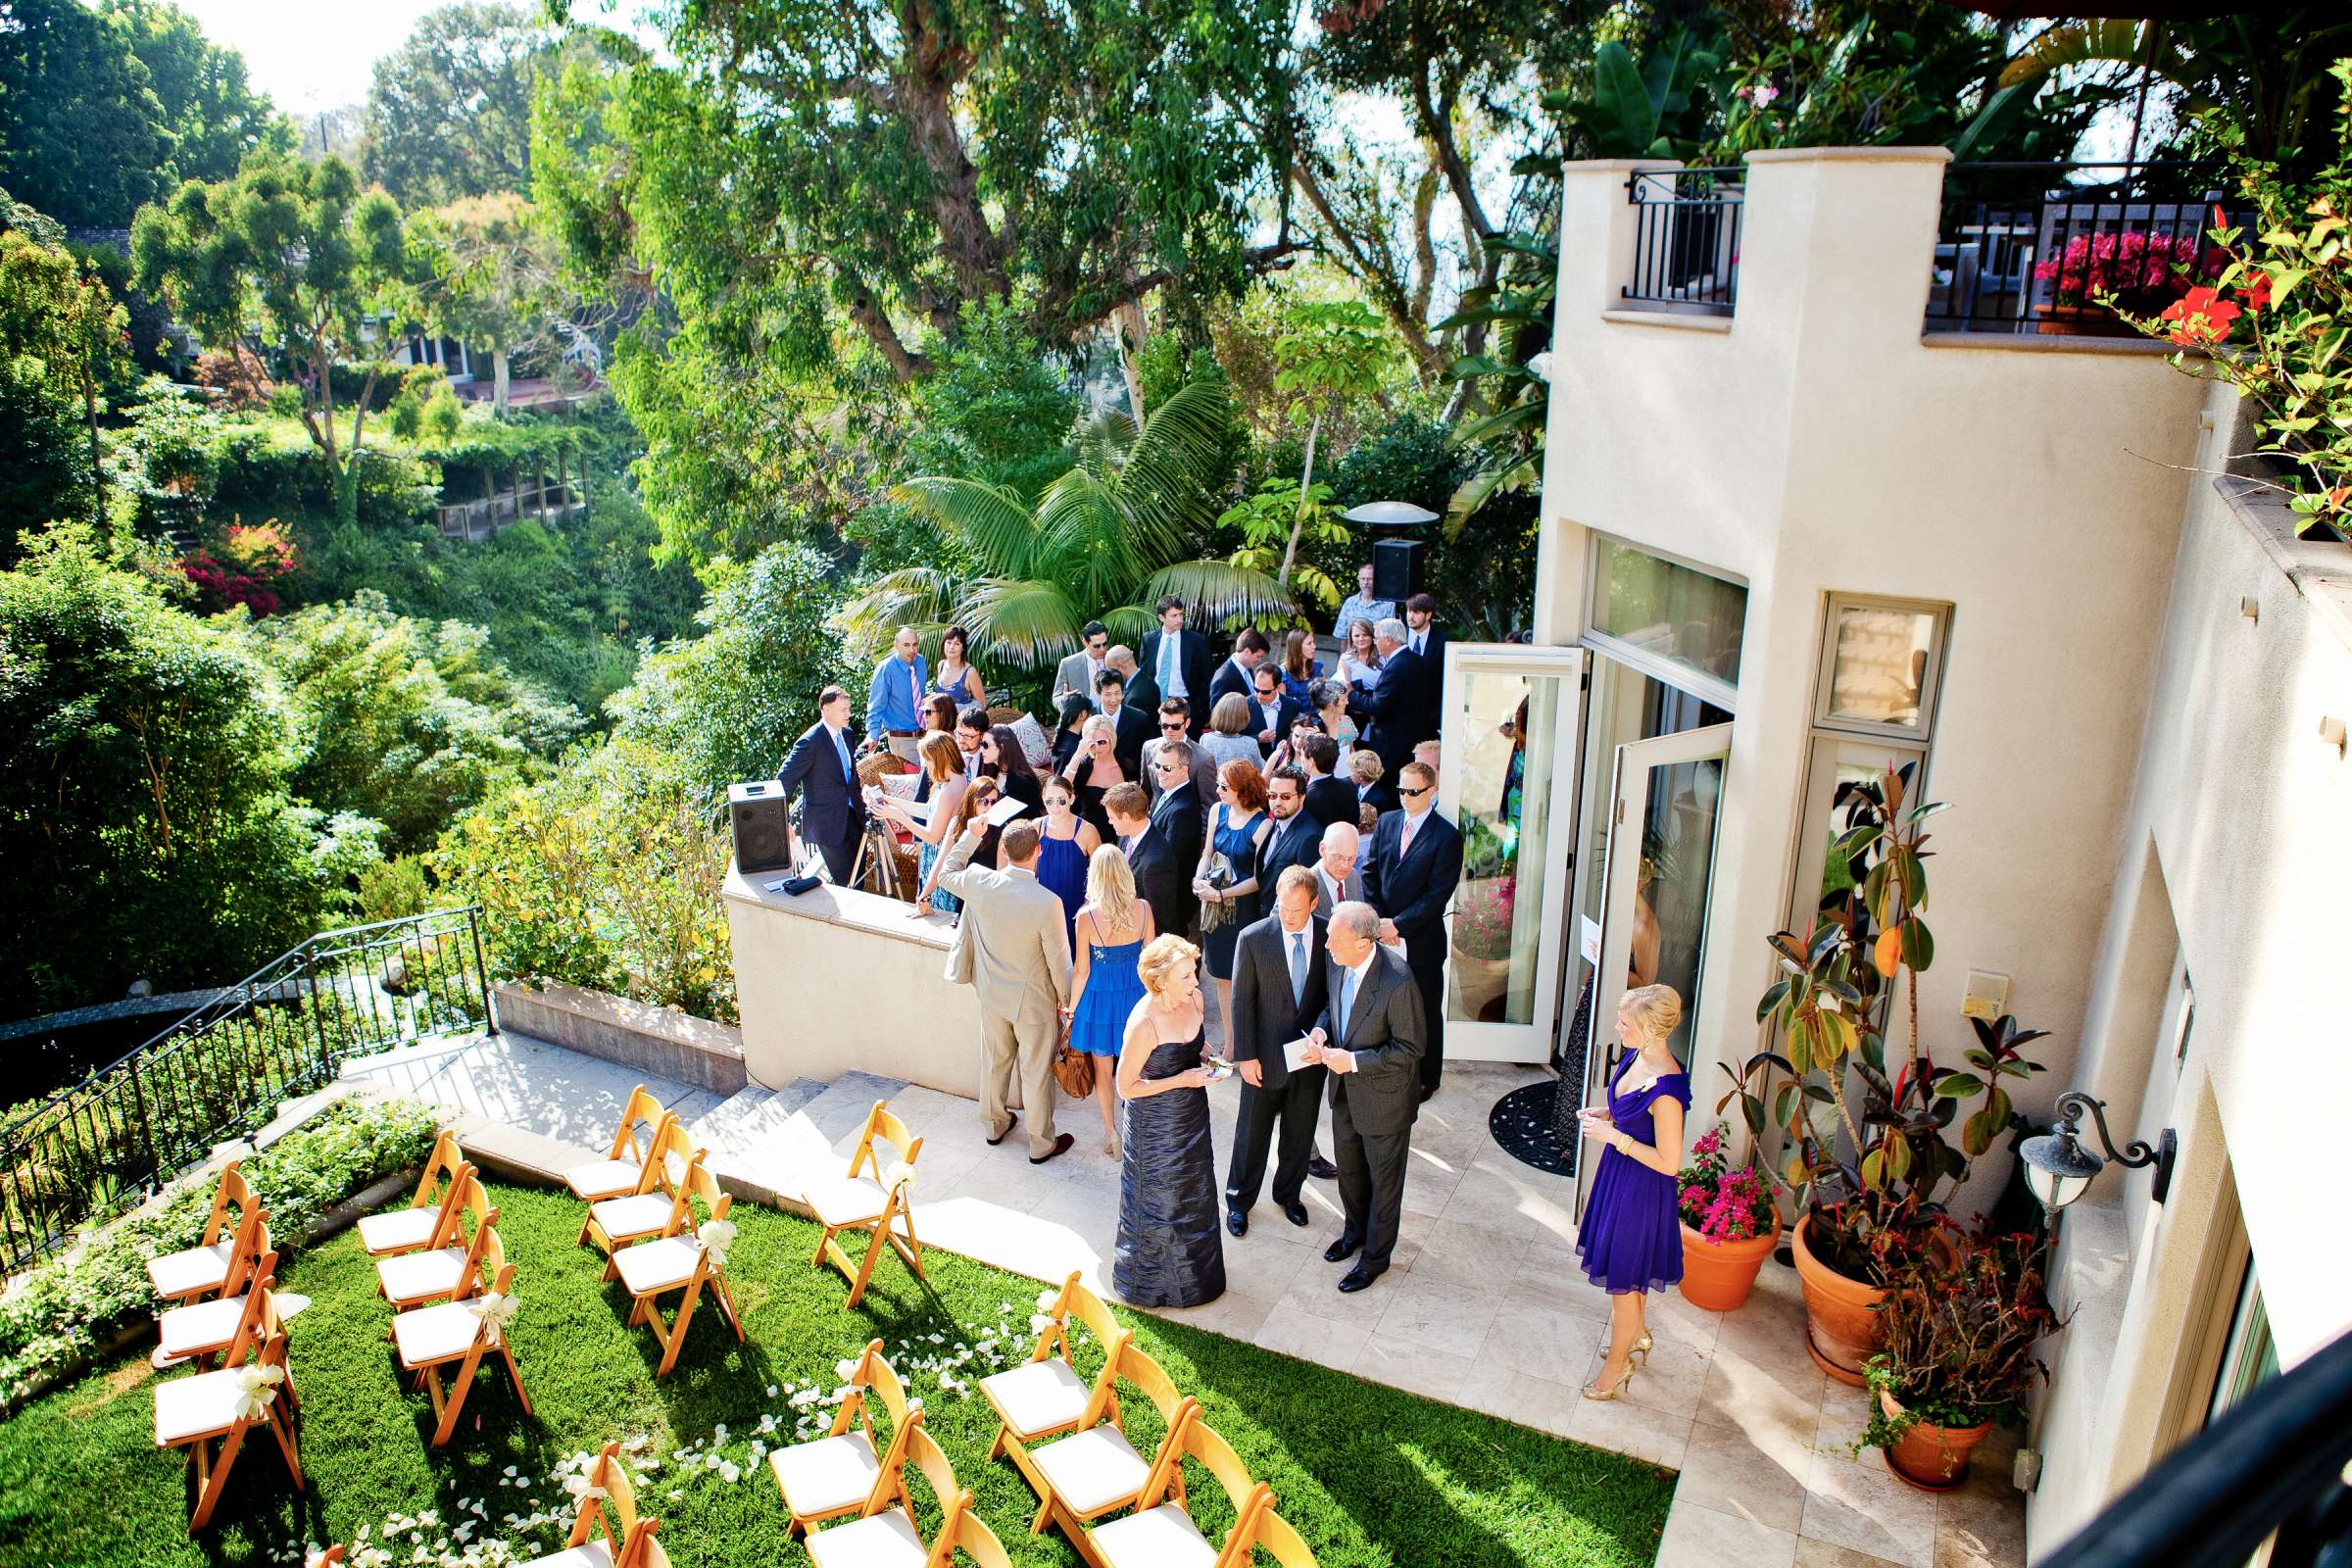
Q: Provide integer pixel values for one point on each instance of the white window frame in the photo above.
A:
(1690, 678)
(1931, 681)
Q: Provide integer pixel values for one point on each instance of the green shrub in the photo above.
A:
(63, 1310)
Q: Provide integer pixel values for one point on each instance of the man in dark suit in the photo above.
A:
(1415, 861)
(1176, 661)
(1175, 817)
(1176, 725)
(1279, 968)
(1131, 728)
(1296, 834)
(1159, 881)
(1272, 711)
(832, 812)
(1249, 651)
(1428, 641)
(1329, 800)
(1369, 1036)
(1390, 713)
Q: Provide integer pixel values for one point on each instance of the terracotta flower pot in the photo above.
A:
(1931, 1457)
(1841, 1319)
(1718, 1275)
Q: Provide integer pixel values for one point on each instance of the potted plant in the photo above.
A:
(1868, 1145)
(1730, 1225)
(2133, 271)
(1961, 1322)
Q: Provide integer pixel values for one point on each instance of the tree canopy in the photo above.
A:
(83, 135)
(211, 111)
(449, 115)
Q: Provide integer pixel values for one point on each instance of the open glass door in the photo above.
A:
(1665, 800)
(1507, 776)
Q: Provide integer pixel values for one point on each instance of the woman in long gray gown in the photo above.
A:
(1170, 1251)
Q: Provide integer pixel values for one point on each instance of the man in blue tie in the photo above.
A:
(1279, 983)
(832, 812)
(893, 699)
(1370, 1036)
(1177, 662)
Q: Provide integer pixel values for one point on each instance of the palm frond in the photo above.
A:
(1085, 538)
(991, 522)
(913, 596)
(1217, 590)
(1171, 476)
(1023, 622)
(1102, 442)
(1530, 411)
(1474, 491)
(1129, 624)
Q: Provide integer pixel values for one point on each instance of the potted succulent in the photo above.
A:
(1961, 1322)
(1869, 1141)
(1730, 1225)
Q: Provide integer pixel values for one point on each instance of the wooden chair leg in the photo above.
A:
(282, 1429)
(996, 1448)
(823, 1243)
(522, 1394)
(677, 1330)
(865, 1268)
(726, 1304)
(211, 1476)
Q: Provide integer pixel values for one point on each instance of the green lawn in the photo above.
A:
(1371, 1476)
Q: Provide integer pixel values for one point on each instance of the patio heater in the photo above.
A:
(1396, 560)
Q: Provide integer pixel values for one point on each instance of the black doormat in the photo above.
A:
(1521, 1122)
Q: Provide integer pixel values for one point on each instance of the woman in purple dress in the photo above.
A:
(1632, 1240)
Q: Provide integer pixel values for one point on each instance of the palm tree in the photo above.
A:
(1102, 543)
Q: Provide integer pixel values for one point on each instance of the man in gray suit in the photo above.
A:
(1076, 675)
(1278, 992)
(1370, 1036)
(1336, 881)
(1020, 959)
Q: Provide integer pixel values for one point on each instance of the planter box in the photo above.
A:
(659, 1040)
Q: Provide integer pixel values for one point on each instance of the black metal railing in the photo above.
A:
(221, 1071)
(2270, 1469)
(1686, 239)
(2032, 248)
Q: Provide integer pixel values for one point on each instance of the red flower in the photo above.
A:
(2257, 290)
(2199, 317)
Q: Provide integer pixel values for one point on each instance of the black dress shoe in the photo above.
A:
(1356, 1279)
(1323, 1170)
(1342, 1249)
(1237, 1222)
(1295, 1211)
(1427, 1090)
(1010, 1122)
(1061, 1146)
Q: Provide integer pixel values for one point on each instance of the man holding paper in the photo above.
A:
(1279, 990)
(1370, 1036)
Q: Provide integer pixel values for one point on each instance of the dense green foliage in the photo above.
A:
(82, 134)
(211, 112)
(449, 112)
(1370, 1476)
(61, 337)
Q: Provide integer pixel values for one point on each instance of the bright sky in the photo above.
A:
(301, 58)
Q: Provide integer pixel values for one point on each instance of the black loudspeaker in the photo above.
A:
(756, 813)
(1396, 565)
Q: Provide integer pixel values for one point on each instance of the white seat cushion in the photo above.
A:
(642, 1215)
(1165, 1537)
(187, 1408)
(422, 1275)
(886, 1541)
(403, 1230)
(594, 1554)
(662, 1265)
(846, 1200)
(1038, 1397)
(1093, 1469)
(440, 1333)
(828, 1473)
(205, 1326)
(199, 1268)
(605, 1178)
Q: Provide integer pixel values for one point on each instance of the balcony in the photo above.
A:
(493, 514)
(1685, 240)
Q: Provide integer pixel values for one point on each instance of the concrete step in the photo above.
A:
(847, 1100)
(750, 1115)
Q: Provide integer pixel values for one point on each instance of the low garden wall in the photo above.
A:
(659, 1041)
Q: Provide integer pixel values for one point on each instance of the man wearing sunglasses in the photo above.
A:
(1176, 725)
(1410, 877)
(1129, 728)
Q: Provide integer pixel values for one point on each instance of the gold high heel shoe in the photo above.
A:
(1592, 1390)
(1640, 1348)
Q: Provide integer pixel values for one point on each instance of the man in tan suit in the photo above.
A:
(1019, 944)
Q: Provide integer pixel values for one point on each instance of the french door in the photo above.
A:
(1512, 717)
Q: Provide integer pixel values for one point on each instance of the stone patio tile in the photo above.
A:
(1536, 1333)
(1659, 1437)
(1761, 1480)
(1456, 1252)
(1870, 1511)
(1439, 1316)
(1777, 1400)
(1981, 1524)
(1233, 1314)
(1822, 1555)
(1700, 1537)
(1317, 1293)
(1310, 1338)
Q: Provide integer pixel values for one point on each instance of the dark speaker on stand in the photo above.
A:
(756, 815)
(1397, 566)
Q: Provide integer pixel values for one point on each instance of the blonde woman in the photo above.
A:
(1094, 767)
(943, 773)
(1169, 1252)
(1630, 1240)
(1112, 927)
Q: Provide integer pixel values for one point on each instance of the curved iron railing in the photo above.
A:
(103, 1144)
(1686, 239)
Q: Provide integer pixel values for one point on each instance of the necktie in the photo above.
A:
(1417, 640)
(1127, 846)
(848, 775)
(1405, 841)
(1167, 665)
(1346, 1001)
(1297, 967)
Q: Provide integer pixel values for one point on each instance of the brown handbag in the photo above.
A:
(1074, 1070)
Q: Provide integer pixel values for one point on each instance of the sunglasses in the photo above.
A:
(1169, 726)
(1417, 794)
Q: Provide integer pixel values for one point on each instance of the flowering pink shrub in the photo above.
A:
(2143, 269)
(1721, 1204)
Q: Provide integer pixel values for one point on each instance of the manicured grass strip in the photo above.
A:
(1374, 1477)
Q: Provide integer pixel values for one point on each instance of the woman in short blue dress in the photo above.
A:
(1065, 844)
(1111, 931)
(1630, 1240)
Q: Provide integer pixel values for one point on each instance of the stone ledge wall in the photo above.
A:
(661, 1041)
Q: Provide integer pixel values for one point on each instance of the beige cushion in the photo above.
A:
(1165, 1537)
(846, 1201)
(829, 1474)
(661, 1265)
(594, 1554)
(1042, 1397)
(187, 1408)
(1093, 1469)
(886, 1541)
(199, 1268)
(1036, 744)
(422, 1275)
(401, 1231)
(623, 1218)
(442, 1332)
(206, 1326)
(605, 1178)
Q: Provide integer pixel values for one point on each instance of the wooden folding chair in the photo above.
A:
(838, 1473)
(1046, 1397)
(194, 1412)
(202, 1269)
(204, 1329)
(622, 1169)
(1274, 1533)
(461, 1332)
(1161, 1533)
(616, 1222)
(870, 1197)
(686, 1256)
(432, 1211)
(1096, 1471)
(606, 1532)
(450, 1272)
(888, 1537)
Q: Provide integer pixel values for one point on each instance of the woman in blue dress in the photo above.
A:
(1112, 928)
(1169, 1250)
(1226, 879)
(1065, 844)
(1299, 668)
(1630, 1240)
(957, 679)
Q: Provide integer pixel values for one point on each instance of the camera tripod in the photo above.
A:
(878, 859)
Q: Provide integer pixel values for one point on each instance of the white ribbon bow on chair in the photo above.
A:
(897, 1174)
(715, 1237)
(257, 1386)
(496, 1311)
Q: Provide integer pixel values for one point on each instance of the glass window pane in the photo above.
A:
(1670, 612)
(1511, 721)
(1881, 663)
